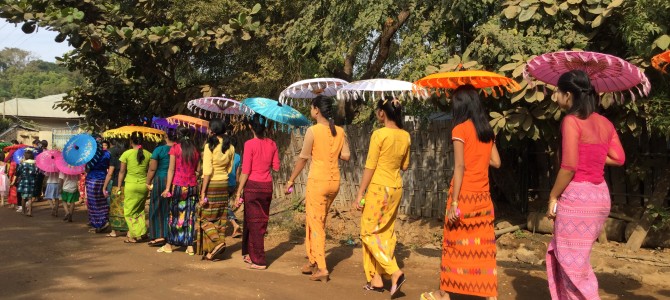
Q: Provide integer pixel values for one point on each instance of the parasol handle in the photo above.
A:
(76, 147)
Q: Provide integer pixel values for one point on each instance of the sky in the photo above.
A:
(41, 43)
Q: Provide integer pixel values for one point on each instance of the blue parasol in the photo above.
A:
(80, 149)
(18, 155)
(277, 112)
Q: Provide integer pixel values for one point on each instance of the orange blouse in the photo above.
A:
(477, 156)
(324, 149)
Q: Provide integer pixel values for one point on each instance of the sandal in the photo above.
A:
(219, 249)
(396, 287)
(308, 269)
(110, 234)
(257, 267)
(428, 296)
(156, 243)
(130, 241)
(237, 233)
(246, 259)
(190, 253)
(369, 287)
(163, 249)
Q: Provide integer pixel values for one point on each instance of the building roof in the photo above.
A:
(37, 108)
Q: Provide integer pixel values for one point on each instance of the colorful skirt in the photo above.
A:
(13, 197)
(213, 218)
(378, 230)
(135, 199)
(581, 213)
(98, 209)
(159, 209)
(52, 191)
(116, 218)
(182, 215)
(70, 197)
(469, 248)
(257, 199)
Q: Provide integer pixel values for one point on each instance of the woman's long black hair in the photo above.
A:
(257, 123)
(217, 127)
(584, 96)
(393, 110)
(325, 106)
(189, 151)
(137, 139)
(468, 106)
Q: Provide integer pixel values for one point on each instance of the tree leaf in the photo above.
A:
(527, 123)
(597, 21)
(631, 122)
(511, 12)
(662, 42)
(256, 9)
(527, 14)
(518, 71)
(518, 96)
(508, 67)
(615, 3)
(495, 115)
(551, 10)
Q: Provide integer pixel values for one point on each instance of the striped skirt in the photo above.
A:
(582, 211)
(159, 209)
(213, 218)
(116, 218)
(98, 209)
(182, 215)
(469, 248)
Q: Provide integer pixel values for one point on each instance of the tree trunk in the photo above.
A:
(662, 186)
(389, 29)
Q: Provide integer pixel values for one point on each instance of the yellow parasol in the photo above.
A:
(188, 121)
(478, 79)
(150, 134)
(661, 61)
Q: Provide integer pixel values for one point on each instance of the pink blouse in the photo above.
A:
(587, 144)
(259, 156)
(184, 173)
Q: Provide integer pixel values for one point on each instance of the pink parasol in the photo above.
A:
(608, 73)
(47, 161)
(217, 106)
(67, 169)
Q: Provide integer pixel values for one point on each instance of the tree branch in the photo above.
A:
(388, 31)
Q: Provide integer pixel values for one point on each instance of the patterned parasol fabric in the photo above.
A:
(608, 73)
(47, 161)
(80, 149)
(68, 169)
(373, 89)
(310, 88)
(150, 134)
(479, 79)
(17, 156)
(14, 147)
(211, 107)
(277, 112)
(661, 61)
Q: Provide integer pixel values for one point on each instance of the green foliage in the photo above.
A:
(21, 75)
(139, 58)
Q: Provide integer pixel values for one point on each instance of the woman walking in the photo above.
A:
(325, 144)
(217, 163)
(133, 173)
(96, 202)
(13, 197)
(26, 174)
(580, 193)
(181, 188)
(387, 156)
(469, 247)
(255, 184)
(159, 209)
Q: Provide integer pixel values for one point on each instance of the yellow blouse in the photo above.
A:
(388, 153)
(217, 164)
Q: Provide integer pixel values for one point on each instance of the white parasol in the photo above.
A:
(310, 88)
(378, 88)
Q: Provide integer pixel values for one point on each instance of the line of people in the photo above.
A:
(186, 214)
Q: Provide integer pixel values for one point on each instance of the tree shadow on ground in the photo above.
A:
(621, 286)
(282, 248)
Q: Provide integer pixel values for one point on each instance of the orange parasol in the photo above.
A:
(478, 79)
(187, 121)
(661, 61)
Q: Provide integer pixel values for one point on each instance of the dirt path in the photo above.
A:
(45, 258)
